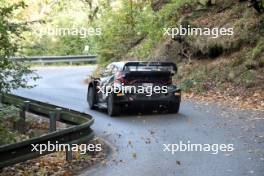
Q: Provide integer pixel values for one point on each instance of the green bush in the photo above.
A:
(12, 74)
(258, 49)
(187, 84)
(6, 136)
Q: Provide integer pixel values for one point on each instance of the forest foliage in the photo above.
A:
(134, 29)
(12, 74)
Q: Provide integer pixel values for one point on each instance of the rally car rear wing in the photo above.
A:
(150, 67)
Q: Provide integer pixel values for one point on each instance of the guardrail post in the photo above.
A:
(53, 122)
(21, 124)
(69, 155)
(26, 104)
(41, 62)
(58, 113)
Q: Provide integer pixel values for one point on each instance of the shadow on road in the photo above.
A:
(146, 113)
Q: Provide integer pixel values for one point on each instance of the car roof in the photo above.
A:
(120, 65)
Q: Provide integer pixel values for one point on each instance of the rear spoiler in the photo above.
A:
(151, 64)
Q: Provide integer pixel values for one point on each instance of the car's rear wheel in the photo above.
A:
(112, 108)
(91, 98)
(174, 108)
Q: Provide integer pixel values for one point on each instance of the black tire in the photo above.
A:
(112, 108)
(91, 97)
(174, 108)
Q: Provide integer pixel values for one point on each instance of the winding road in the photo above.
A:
(138, 140)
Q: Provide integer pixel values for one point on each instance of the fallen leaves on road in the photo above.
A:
(130, 144)
(134, 155)
(152, 132)
(147, 141)
(178, 163)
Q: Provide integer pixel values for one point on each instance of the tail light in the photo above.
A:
(120, 78)
(169, 81)
(119, 82)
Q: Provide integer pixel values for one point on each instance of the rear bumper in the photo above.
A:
(143, 99)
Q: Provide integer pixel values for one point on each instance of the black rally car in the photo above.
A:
(138, 82)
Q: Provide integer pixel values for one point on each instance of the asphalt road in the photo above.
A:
(138, 139)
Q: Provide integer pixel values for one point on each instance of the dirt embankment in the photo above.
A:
(229, 68)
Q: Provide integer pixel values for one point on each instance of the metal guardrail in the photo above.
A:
(22, 151)
(53, 59)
